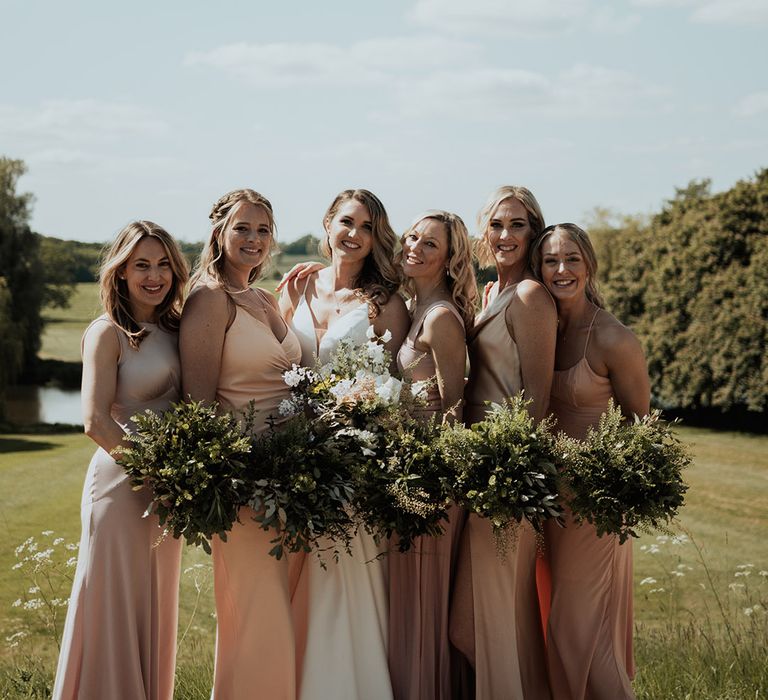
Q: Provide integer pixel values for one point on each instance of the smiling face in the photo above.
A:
(509, 233)
(563, 267)
(148, 277)
(350, 231)
(247, 237)
(426, 250)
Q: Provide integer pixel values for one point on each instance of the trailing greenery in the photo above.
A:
(194, 459)
(693, 284)
(505, 468)
(301, 486)
(625, 476)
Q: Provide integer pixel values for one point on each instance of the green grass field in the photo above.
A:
(701, 622)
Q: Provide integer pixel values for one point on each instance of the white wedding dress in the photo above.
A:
(340, 612)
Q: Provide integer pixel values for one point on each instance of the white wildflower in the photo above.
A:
(656, 590)
(663, 539)
(745, 566)
(72, 561)
(677, 573)
(342, 389)
(33, 604)
(748, 611)
(370, 333)
(33, 589)
(763, 573)
(375, 353)
(58, 541)
(419, 390)
(287, 408)
(735, 586)
(294, 376)
(16, 603)
(743, 573)
(389, 391)
(647, 581)
(17, 566)
(679, 540)
(72, 546)
(47, 533)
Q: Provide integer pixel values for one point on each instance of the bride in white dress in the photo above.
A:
(341, 612)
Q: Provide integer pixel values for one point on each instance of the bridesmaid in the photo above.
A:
(341, 612)
(234, 348)
(589, 636)
(119, 638)
(437, 263)
(495, 619)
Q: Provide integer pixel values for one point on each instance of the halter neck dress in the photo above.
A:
(119, 637)
(255, 644)
(495, 618)
(340, 612)
(420, 662)
(589, 635)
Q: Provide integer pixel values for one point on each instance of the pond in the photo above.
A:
(25, 405)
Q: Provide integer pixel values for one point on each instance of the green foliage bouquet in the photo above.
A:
(505, 468)
(626, 476)
(301, 485)
(195, 461)
(403, 489)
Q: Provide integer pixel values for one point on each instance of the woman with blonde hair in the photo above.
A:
(119, 638)
(495, 618)
(234, 348)
(589, 632)
(340, 611)
(436, 258)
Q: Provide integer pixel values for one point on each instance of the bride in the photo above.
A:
(341, 612)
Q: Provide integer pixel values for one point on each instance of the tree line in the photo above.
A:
(691, 281)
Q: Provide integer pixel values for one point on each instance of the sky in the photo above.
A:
(155, 109)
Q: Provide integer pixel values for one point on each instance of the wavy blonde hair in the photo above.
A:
(460, 274)
(483, 252)
(113, 290)
(380, 278)
(210, 267)
(580, 237)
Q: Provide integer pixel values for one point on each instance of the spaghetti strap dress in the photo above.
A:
(420, 655)
(495, 618)
(119, 638)
(589, 634)
(340, 612)
(255, 645)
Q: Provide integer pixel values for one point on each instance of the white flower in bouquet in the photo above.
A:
(388, 389)
(287, 407)
(419, 389)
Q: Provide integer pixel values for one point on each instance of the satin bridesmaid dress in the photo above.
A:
(495, 617)
(589, 635)
(255, 644)
(420, 656)
(119, 638)
(340, 612)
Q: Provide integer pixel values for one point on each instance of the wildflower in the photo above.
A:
(16, 603)
(33, 604)
(47, 533)
(58, 541)
(663, 539)
(33, 589)
(650, 548)
(286, 408)
(743, 573)
(677, 573)
(745, 566)
(294, 376)
(647, 580)
(72, 546)
(656, 590)
(735, 586)
(679, 540)
(748, 611)
(389, 390)
(763, 573)
(72, 561)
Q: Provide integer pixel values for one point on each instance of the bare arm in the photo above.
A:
(101, 352)
(627, 369)
(394, 318)
(532, 319)
(292, 290)
(201, 340)
(444, 335)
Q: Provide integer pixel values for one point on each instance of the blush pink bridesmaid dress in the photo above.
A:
(255, 646)
(495, 618)
(119, 638)
(589, 635)
(420, 655)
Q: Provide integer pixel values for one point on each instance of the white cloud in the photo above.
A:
(737, 12)
(74, 121)
(533, 18)
(742, 12)
(752, 105)
(365, 62)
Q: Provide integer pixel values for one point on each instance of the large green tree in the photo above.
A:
(693, 284)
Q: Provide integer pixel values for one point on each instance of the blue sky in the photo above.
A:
(154, 109)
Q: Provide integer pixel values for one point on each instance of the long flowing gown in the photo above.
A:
(119, 638)
(495, 618)
(589, 635)
(420, 656)
(255, 645)
(341, 611)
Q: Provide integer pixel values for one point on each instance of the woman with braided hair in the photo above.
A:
(234, 348)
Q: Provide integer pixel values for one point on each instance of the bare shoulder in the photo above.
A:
(101, 336)
(532, 293)
(205, 298)
(614, 339)
(441, 322)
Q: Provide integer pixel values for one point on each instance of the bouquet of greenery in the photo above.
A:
(626, 476)
(195, 461)
(505, 468)
(403, 489)
(301, 485)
